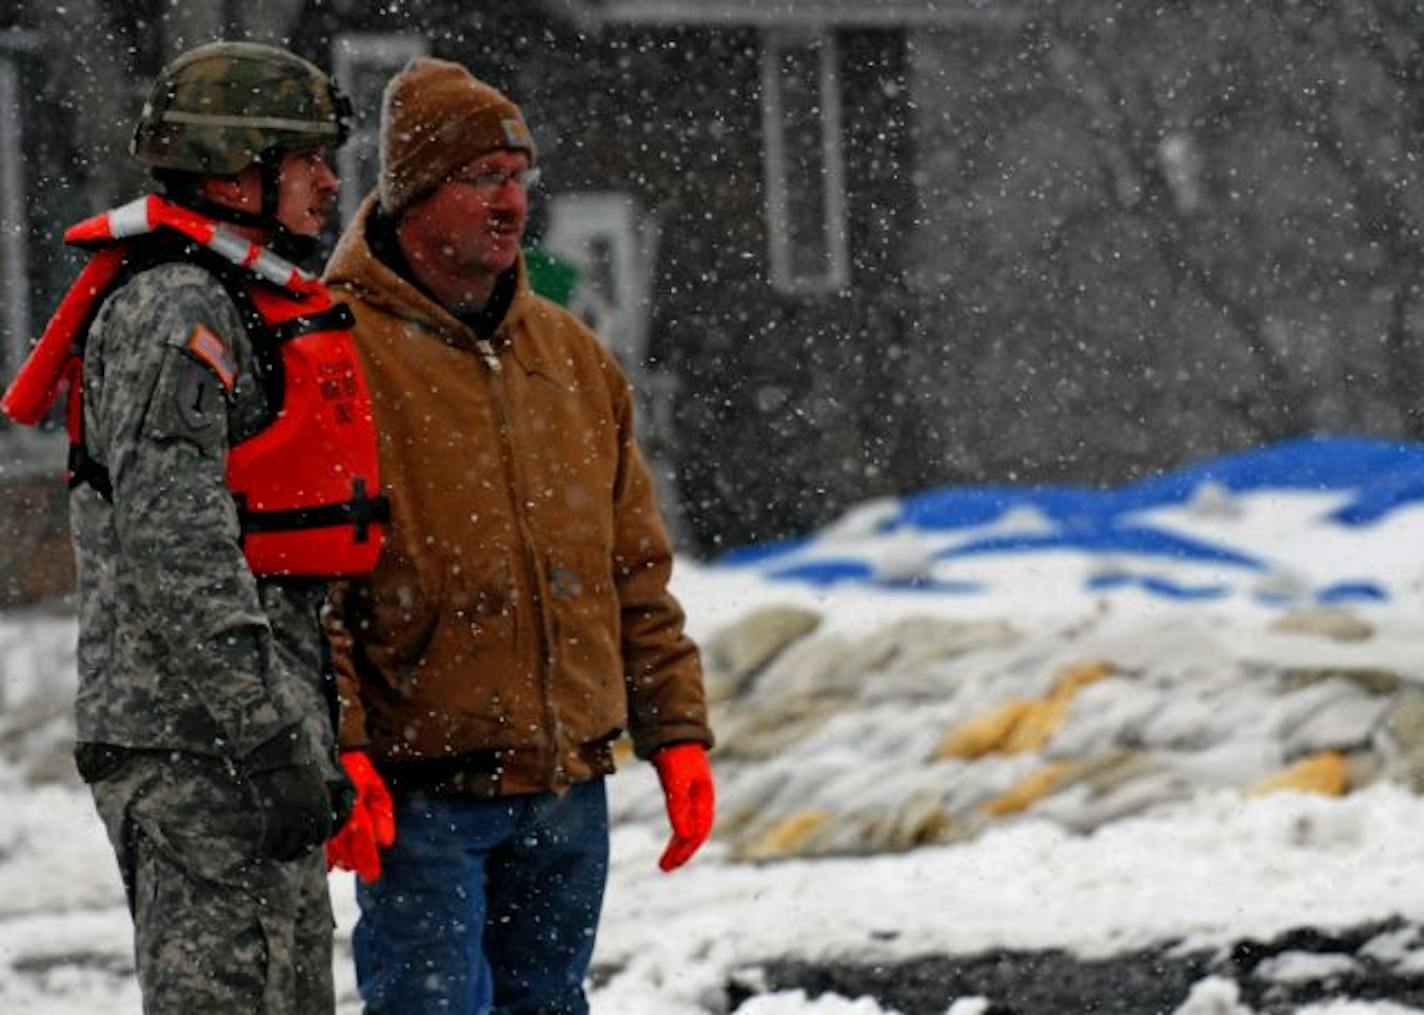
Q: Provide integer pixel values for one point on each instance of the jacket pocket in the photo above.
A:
(480, 595)
(586, 641)
(471, 636)
(197, 812)
(396, 623)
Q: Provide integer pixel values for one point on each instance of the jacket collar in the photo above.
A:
(355, 267)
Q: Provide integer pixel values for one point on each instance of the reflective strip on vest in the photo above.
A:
(151, 213)
(129, 220)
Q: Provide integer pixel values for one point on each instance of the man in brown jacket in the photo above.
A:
(519, 620)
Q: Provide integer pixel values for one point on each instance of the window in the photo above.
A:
(612, 245)
(24, 293)
(14, 230)
(362, 65)
(805, 191)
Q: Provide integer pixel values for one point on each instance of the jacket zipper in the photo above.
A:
(512, 475)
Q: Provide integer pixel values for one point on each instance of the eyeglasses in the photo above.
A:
(491, 181)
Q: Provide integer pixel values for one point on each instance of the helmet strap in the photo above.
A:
(299, 249)
(184, 189)
(281, 240)
(276, 237)
(270, 165)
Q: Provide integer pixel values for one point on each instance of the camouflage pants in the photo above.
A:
(215, 930)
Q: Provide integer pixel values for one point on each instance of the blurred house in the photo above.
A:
(847, 248)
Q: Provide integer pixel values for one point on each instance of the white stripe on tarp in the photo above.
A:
(130, 219)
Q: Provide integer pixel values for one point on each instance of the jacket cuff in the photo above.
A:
(646, 743)
(284, 750)
(352, 737)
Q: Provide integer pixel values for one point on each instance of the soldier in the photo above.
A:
(223, 467)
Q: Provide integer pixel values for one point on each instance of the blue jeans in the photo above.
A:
(485, 906)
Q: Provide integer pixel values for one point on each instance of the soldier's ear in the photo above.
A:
(243, 191)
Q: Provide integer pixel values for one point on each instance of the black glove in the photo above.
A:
(291, 797)
(342, 795)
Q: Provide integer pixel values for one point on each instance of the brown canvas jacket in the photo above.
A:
(520, 606)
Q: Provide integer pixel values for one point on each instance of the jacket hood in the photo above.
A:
(354, 266)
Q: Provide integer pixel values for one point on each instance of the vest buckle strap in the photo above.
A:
(361, 510)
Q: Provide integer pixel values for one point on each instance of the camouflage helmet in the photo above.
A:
(216, 108)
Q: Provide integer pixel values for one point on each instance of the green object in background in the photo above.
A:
(551, 277)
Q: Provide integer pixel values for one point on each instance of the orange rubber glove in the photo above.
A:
(372, 825)
(687, 788)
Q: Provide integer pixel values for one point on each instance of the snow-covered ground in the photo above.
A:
(1034, 723)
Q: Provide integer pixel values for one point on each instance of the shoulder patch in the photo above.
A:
(212, 350)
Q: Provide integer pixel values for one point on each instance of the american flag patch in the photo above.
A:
(213, 351)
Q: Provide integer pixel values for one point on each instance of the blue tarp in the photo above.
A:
(1380, 476)
(1383, 475)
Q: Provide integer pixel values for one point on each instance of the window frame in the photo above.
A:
(28, 451)
(836, 275)
(14, 231)
(579, 219)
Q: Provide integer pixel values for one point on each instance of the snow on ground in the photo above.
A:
(1202, 658)
(1206, 874)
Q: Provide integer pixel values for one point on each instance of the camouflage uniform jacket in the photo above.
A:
(180, 647)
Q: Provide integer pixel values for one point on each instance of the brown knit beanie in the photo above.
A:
(435, 117)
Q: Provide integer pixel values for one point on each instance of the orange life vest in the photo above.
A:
(306, 484)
